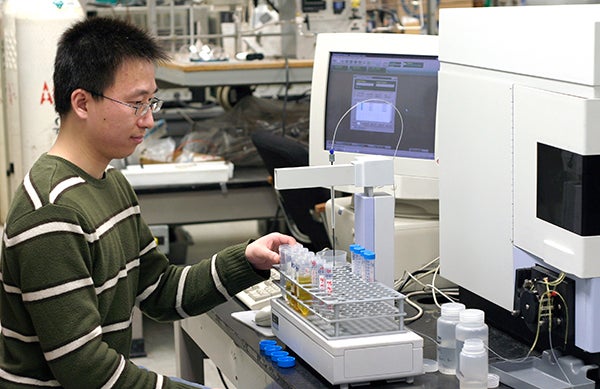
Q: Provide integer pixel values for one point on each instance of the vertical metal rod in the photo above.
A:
(332, 191)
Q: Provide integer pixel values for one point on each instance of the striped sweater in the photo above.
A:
(76, 257)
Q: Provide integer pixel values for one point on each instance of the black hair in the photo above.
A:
(90, 52)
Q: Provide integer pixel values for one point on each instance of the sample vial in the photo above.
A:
(446, 337)
(357, 260)
(328, 270)
(471, 325)
(473, 372)
(284, 262)
(369, 265)
(303, 277)
(314, 269)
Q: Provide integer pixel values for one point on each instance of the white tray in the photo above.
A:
(165, 174)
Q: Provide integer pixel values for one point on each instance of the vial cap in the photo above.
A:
(493, 380)
(278, 354)
(265, 343)
(271, 349)
(472, 316)
(368, 255)
(286, 361)
(452, 309)
(353, 247)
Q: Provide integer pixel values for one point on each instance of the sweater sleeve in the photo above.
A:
(174, 292)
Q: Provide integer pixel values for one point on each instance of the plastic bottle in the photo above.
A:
(446, 337)
(473, 372)
(471, 325)
(357, 261)
(369, 265)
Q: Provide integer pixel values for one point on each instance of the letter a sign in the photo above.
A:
(46, 95)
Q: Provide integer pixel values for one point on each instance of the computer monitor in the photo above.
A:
(377, 94)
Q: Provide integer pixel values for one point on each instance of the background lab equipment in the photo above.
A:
(518, 144)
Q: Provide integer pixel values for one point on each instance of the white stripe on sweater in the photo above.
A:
(149, 290)
(180, 289)
(57, 290)
(28, 381)
(159, 381)
(122, 274)
(216, 279)
(110, 223)
(115, 377)
(30, 190)
(54, 227)
(34, 339)
(63, 186)
(74, 345)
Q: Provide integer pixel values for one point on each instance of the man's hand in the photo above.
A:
(263, 253)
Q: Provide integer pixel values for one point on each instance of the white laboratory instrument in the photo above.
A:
(518, 144)
(31, 32)
(355, 333)
(374, 224)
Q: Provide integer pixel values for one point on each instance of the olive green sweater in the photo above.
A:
(76, 257)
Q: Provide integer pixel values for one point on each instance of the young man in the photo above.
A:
(76, 253)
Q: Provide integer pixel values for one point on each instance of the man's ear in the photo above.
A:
(79, 102)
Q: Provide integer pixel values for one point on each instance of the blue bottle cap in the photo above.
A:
(368, 255)
(354, 247)
(275, 355)
(266, 342)
(271, 349)
(286, 362)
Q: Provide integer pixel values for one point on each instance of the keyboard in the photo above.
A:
(258, 296)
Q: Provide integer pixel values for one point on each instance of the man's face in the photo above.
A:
(115, 129)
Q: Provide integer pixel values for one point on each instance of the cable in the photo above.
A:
(332, 153)
(415, 306)
(420, 311)
(434, 288)
(332, 150)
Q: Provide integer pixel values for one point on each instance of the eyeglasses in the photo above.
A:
(140, 108)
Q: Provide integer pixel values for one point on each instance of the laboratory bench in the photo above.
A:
(220, 73)
(234, 348)
(249, 195)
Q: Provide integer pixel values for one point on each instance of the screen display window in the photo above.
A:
(381, 99)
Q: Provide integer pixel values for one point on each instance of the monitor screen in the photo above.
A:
(382, 104)
(377, 94)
